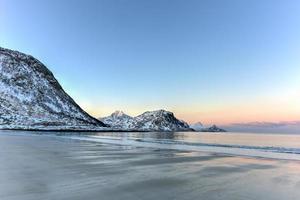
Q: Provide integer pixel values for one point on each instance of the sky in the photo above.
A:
(214, 61)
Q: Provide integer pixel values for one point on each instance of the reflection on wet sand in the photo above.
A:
(38, 167)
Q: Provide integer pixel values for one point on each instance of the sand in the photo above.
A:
(40, 167)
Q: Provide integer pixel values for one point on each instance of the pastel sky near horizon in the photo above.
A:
(214, 61)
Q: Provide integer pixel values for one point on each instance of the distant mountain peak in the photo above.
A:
(118, 120)
(213, 128)
(198, 126)
(157, 120)
(119, 113)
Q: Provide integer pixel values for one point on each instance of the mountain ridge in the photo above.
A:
(158, 120)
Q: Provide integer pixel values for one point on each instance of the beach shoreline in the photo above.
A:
(39, 167)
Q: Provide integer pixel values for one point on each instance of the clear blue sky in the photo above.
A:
(215, 61)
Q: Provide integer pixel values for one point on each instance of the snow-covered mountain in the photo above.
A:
(198, 126)
(31, 97)
(159, 120)
(118, 120)
(213, 128)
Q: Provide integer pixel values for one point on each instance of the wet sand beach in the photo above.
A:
(40, 167)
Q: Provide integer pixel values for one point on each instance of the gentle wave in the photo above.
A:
(242, 150)
(262, 148)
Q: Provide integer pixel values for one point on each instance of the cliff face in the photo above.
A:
(31, 97)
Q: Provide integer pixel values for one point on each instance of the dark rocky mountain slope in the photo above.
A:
(31, 97)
